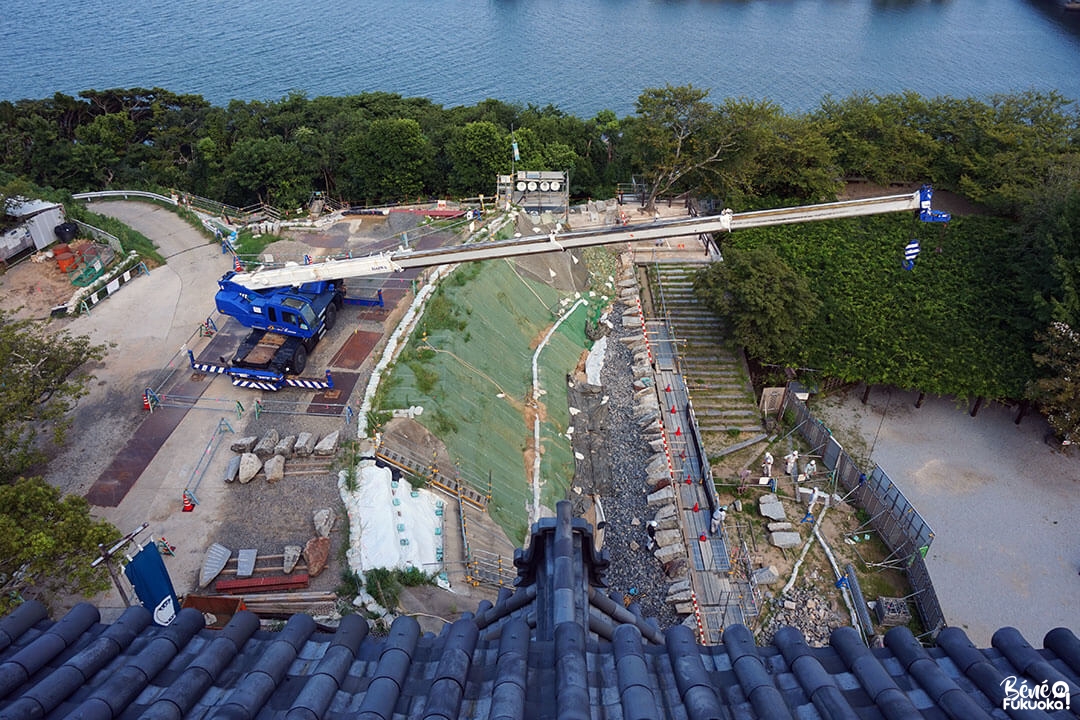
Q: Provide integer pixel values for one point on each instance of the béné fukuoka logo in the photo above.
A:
(1023, 695)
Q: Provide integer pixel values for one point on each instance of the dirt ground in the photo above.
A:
(30, 290)
(1001, 502)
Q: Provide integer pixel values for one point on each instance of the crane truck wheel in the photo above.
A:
(299, 361)
(331, 317)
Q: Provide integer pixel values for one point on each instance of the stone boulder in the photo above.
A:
(250, 465)
(675, 568)
(274, 468)
(658, 483)
(778, 526)
(265, 447)
(678, 597)
(667, 513)
(785, 539)
(324, 522)
(244, 444)
(328, 445)
(305, 444)
(285, 446)
(232, 469)
(669, 553)
(766, 575)
(657, 464)
(771, 507)
(316, 553)
(668, 537)
(661, 497)
(292, 556)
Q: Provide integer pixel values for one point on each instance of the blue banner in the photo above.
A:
(152, 584)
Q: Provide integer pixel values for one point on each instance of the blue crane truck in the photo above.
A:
(286, 323)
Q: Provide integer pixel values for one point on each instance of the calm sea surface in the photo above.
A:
(580, 55)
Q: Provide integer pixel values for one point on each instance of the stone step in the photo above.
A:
(710, 428)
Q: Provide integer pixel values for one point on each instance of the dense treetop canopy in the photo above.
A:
(964, 321)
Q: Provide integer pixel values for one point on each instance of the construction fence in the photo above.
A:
(896, 521)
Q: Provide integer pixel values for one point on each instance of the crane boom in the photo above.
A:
(534, 244)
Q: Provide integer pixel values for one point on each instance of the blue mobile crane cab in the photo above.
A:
(286, 323)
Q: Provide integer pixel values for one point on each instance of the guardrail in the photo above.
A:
(187, 200)
(110, 239)
(125, 194)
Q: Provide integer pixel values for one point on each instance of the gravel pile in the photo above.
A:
(624, 501)
(806, 609)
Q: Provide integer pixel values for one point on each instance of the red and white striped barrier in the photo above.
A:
(702, 637)
(644, 332)
(667, 451)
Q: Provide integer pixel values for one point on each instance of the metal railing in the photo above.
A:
(125, 194)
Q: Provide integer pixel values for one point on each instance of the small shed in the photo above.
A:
(38, 217)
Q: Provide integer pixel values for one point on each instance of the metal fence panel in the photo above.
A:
(831, 453)
(893, 517)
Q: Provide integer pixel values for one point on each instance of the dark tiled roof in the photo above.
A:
(555, 647)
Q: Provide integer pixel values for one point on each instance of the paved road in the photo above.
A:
(147, 322)
(1003, 506)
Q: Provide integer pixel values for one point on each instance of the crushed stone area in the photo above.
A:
(620, 486)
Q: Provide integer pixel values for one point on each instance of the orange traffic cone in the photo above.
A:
(678, 432)
(188, 505)
(703, 538)
(145, 401)
(668, 388)
(673, 410)
(696, 506)
(689, 481)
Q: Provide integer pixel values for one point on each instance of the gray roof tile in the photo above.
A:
(556, 646)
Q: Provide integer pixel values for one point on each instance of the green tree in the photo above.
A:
(390, 159)
(47, 543)
(773, 159)
(478, 153)
(266, 170)
(42, 374)
(768, 303)
(678, 136)
(1057, 391)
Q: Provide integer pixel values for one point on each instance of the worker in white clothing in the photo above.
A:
(718, 518)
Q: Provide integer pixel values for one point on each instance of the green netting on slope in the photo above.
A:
(559, 357)
(474, 343)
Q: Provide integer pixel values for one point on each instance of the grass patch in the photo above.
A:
(385, 585)
(248, 245)
(129, 239)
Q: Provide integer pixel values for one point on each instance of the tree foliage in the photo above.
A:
(47, 543)
(959, 323)
(962, 322)
(767, 302)
(42, 375)
(678, 135)
(746, 154)
(1058, 389)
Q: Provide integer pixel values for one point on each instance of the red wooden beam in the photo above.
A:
(268, 583)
